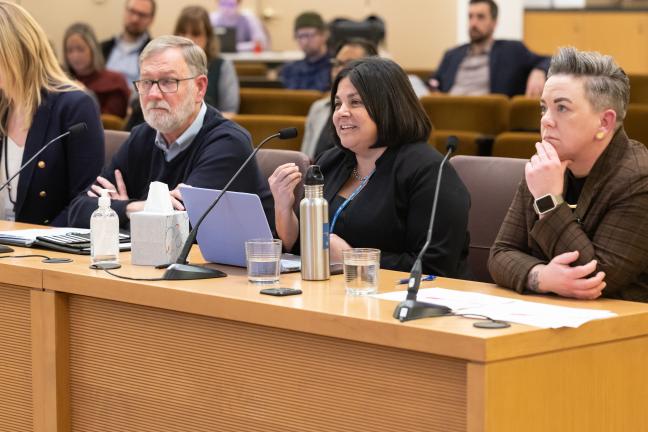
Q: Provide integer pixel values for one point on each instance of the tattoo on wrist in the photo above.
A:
(533, 284)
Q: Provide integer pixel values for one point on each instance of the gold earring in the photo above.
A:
(600, 135)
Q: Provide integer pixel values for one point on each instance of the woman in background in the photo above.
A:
(38, 102)
(223, 86)
(380, 177)
(84, 62)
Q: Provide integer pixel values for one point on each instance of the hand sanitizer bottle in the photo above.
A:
(104, 235)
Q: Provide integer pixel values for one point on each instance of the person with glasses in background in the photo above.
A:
(314, 71)
(122, 51)
(183, 141)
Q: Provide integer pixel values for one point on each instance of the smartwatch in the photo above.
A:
(546, 203)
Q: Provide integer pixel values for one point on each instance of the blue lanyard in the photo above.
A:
(348, 200)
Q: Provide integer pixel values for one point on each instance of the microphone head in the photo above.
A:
(452, 143)
(288, 133)
(78, 128)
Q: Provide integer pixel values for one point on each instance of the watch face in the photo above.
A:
(545, 203)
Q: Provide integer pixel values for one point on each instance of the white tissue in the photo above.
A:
(158, 232)
(158, 200)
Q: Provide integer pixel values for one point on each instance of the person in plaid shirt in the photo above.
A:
(577, 226)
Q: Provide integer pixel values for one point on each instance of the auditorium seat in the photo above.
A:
(470, 143)
(487, 115)
(636, 122)
(524, 114)
(516, 144)
(270, 159)
(261, 126)
(491, 182)
(638, 88)
(113, 139)
(112, 122)
(250, 69)
(277, 101)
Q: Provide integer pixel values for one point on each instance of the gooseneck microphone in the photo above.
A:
(73, 130)
(411, 309)
(181, 269)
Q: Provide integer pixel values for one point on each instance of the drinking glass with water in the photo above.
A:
(263, 260)
(361, 267)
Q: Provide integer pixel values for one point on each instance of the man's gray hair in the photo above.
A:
(606, 84)
(194, 55)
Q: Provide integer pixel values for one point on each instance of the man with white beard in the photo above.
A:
(184, 141)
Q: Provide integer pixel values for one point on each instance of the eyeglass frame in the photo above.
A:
(138, 14)
(157, 82)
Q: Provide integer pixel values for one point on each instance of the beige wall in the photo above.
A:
(418, 31)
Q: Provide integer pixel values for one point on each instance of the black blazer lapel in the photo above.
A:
(36, 139)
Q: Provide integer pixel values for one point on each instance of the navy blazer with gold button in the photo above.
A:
(48, 184)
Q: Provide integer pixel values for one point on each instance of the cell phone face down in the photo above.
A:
(280, 292)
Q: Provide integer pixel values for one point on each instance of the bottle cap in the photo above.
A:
(104, 199)
(314, 176)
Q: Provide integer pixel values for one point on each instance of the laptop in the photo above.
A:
(237, 217)
(227, 38)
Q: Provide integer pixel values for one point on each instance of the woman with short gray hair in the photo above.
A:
(577, 226)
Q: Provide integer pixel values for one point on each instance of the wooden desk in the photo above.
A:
(83, 351)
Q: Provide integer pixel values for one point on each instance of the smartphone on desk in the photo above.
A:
(281, 292)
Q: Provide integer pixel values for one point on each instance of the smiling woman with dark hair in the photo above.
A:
(380, 177)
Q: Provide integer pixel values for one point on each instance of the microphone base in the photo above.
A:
(5, 249)
(409, 310)
(191, 272)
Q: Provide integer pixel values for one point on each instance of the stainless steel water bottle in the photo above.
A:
(314, 227)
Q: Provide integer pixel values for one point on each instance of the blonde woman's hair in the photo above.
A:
(27, 64)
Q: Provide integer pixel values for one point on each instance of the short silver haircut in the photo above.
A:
(606, 84)
(193, 55)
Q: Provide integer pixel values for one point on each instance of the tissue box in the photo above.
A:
(157, 238)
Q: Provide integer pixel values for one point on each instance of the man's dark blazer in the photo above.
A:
(108, 45)
(47, 185)
(510, 64)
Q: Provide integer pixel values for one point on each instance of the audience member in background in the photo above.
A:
(486, 65)
(380, 177)
(314, 71)
(250, 34)
(222, 86)
(183, 140)
(577, 226)
(122, 52)
(317, 136)
(38, 102)
(84, 62)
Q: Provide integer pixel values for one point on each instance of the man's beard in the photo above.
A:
(168, 121)
(133, 31)
(478, 37)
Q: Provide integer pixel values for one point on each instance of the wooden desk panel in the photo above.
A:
(147, 369)
(16, 414)
(108, 354)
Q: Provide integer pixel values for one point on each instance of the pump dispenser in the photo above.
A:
(314, 227)
(104, 234)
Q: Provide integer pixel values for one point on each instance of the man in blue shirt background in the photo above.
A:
(314, 71)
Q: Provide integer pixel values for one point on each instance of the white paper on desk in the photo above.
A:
(27, 237)
(504, 308)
